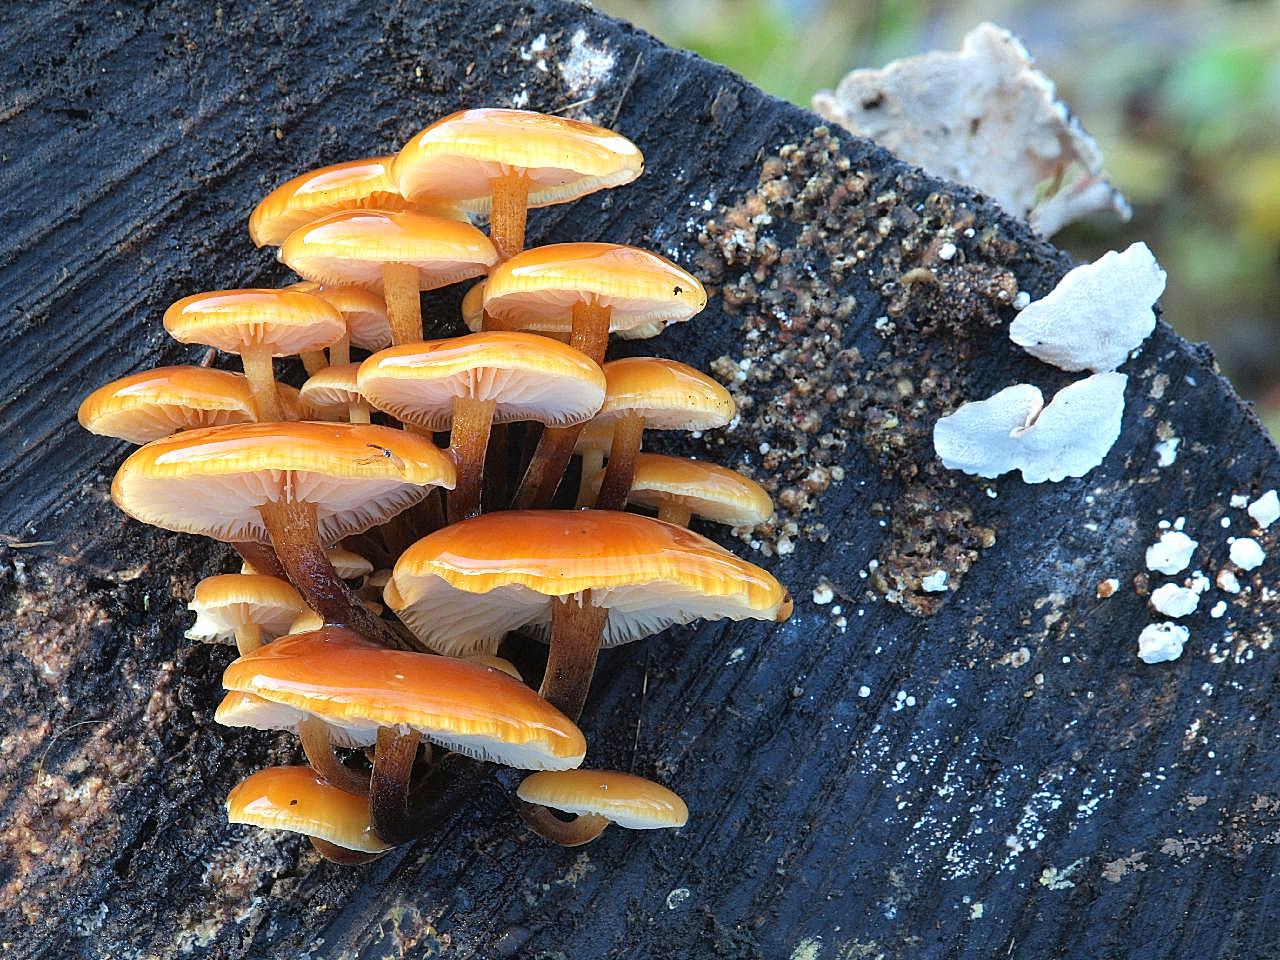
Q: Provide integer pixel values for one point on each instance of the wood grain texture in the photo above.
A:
(1013, 782)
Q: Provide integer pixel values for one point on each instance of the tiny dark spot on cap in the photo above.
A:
(679, 290)
(293, 803)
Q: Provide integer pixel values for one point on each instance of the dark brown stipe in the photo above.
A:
(628, 432)
(294, 534)
(577, 627)
(568, 833)
(314, 734)
(468, 445)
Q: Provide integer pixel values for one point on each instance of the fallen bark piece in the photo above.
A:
(1010, 431)
(1097, 315)
(984, 116)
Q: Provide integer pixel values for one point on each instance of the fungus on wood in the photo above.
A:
(1007, 777)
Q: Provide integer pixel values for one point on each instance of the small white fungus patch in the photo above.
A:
(823, 594)
(1227, 581)
(1161, 642)
(1171, 553)
(1218, 609)
(1012, 430)
(1175, 601)
(1096, 315)
(1266, 509)
(585, 68)
(1167, 451)
(1246, 553)
(935, 582)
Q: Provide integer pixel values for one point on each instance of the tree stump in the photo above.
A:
(986, 770)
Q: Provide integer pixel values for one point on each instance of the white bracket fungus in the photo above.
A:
(1171, 553)
(984, 116)
(1175, 601)
(1266, 509)
(1013, 430)
(1247, 553)
(1162, 642)
(1096, 315)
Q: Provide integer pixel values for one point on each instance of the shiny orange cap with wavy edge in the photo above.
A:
(285, 321)
(320, 192)
(461, 588)
(358, 686)
(351, 247)
(156, 403)
(457, 158)
(529, 377)
(707, 489)
(623, 798)
(212, 481)
(669, 395)
(226, 601)
(536, 290)
(299, 800)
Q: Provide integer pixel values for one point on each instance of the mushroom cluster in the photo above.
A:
(381, 572)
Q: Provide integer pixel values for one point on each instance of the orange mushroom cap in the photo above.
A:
(352, 246)
(299, 800)
(456, 159)
(363, 311)
(317, 193)
(461, 588)
(536, 290)
(156, 403)
(212, 481)
(623, 798)
(668, 394)
(708, 490)
(358, 686)
(224, 602)
(285, 321)
(332, 390)
(529, 378)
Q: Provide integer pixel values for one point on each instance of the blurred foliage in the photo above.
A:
(1183, 96)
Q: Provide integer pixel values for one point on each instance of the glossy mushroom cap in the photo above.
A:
(528, 377)
(462, 588)
(284, 321)
(456, 159)
(536, 290)
(342, 186)
(627, 800)
(333, 390)
(473, 308)
(212, 481)
(357, 686)
(351, 247)
(156, 403)
(365, 314)
(226, 602)
(298, 800)
(668, 394)
(707, 490)
(240, 709)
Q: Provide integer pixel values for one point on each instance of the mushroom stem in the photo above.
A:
(675, 512)
(628, 431)
(340, 350)
(577, 626)
(358, 412)
(404, 302)
(495, 472)
(568, 833)
(590, 331)
(468, 444)
(592, 463)
(389, 786)
(314, 734)
(248, 638)
(313, 361)
(262, 382)
(294, 533)
(546, 469)
(261, 557)
(341, 855)
(508, 215)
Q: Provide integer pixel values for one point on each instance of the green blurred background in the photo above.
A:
(1184, 98)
